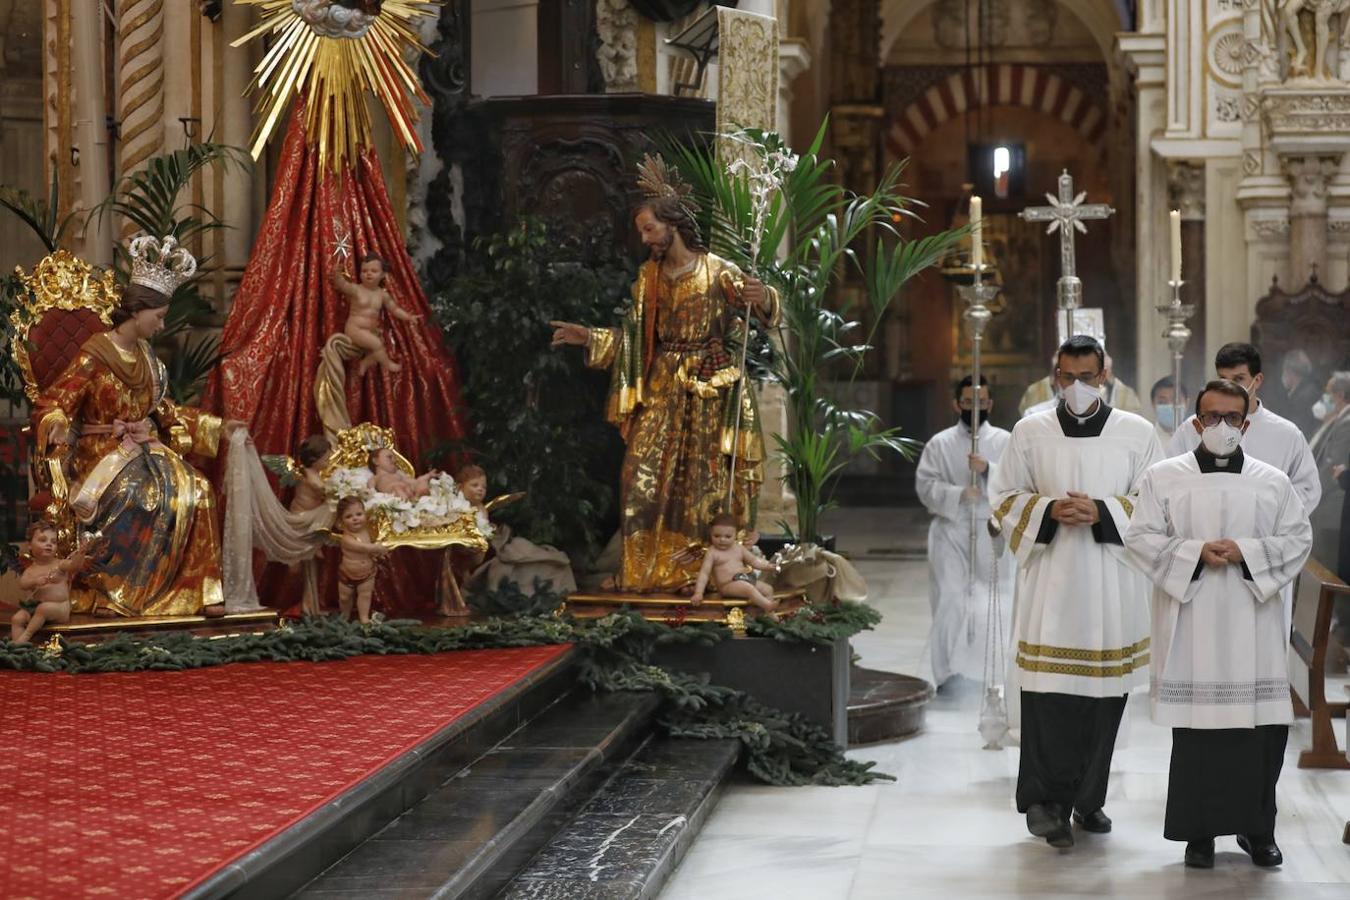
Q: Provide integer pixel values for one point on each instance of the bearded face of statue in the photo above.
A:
(657, 236)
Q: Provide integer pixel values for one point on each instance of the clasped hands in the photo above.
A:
(1221, 553)
(1075, 509)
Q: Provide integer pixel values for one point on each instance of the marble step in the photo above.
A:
(631, 836)
(470, 836)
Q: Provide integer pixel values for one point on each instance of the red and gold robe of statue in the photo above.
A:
(154, 510)
(674, 395)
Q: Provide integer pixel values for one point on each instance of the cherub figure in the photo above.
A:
(472, 481)
(731, 567)
(48, 581)
(390, 479)
(367, 298)
(309, 490)
(356, 572)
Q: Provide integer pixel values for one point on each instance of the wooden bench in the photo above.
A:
(1315, 593)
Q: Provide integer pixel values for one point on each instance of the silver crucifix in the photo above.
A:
(1065, 215)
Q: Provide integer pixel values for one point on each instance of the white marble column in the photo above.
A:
(1145, 59)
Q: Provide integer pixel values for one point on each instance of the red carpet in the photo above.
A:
(142, 784)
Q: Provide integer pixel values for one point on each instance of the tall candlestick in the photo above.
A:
(1176, 244)
(976, 233)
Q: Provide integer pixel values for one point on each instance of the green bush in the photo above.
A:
(537, 414)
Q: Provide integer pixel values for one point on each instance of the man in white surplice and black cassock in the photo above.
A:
(1270, 438)
(1063, 495)
(1220, 534)
(959, 585)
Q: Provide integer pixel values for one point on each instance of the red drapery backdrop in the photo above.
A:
(286, 308)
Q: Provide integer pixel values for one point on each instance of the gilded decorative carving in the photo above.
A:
(352, 451)
(616, 24)
(354, 445)
(61, 281)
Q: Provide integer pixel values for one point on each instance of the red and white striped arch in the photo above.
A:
(999, 85)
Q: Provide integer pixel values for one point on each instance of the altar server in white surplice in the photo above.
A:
(1220, 534)
(1063, 495)
(957, 593)
(1270, 438)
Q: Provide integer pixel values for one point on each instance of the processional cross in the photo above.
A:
(1066, 214)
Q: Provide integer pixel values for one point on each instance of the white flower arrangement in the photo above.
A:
(442, 505)
(349, 483)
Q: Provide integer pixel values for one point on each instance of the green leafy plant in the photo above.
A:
(538, 415)
(814, 237)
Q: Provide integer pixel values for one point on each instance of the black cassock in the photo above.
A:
(1222, 781)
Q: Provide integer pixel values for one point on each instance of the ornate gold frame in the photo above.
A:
(355, 444)
(352, 451)
(61, 281)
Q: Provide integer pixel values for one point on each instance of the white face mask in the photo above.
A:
(1221, 439)
(1080, 397)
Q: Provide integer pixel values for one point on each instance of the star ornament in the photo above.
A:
(335, 52)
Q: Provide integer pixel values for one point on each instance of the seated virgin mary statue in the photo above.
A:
(123, 442)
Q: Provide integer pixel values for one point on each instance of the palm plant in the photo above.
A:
(809, 241)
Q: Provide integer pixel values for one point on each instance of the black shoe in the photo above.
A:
(1262, 850)
(1047, 821)
(1200, 854)
(1097, 822)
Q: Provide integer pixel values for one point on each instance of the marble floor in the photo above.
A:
(947, 827)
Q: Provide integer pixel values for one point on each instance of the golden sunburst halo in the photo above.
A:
(336, 72)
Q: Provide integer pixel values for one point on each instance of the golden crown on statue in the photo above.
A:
(159, 263)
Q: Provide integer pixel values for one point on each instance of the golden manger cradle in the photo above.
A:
(351, 451)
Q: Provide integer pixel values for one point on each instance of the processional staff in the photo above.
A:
(1176, 333)
(1066, 214)
(993, 723)
(977, 296)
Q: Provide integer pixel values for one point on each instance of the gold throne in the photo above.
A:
(67, 302)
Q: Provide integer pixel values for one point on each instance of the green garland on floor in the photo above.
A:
(615, 651)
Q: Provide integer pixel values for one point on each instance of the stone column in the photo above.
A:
(1144, 56)
(855, 110)
(794, 58)
(90, 127)
(140, 82)
(1308, 179)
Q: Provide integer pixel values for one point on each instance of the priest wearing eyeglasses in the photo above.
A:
(1063, 494)
(1220, 533)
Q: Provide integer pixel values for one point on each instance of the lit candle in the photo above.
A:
(976, 232)
(1176, 244)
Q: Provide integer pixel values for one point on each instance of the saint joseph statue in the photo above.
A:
(676, 392)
